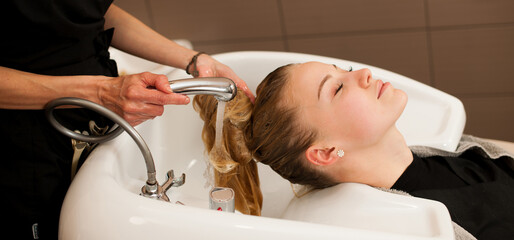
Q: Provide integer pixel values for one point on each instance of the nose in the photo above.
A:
(364, 77)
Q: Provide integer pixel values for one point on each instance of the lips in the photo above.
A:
(382, 87)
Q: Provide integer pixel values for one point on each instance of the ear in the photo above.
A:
(321, 156)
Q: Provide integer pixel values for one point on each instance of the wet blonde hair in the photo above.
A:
(268, 132)
(232, 162)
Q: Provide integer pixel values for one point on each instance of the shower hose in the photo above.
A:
(122, 126)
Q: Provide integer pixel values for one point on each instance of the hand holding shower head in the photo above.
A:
(223, 89)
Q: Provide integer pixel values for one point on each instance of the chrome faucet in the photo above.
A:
(223, 89)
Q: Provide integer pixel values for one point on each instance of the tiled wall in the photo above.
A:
(463, 47)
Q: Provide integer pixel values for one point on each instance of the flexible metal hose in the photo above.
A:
(122, 125)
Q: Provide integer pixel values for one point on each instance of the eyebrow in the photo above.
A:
(324, 80)
(328, 76)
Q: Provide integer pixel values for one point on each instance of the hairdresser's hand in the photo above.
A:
(138, 97)
(209, 67)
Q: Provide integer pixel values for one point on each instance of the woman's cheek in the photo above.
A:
(361, 122)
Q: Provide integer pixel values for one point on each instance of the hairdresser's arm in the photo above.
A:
(134, 37)
(23, 90)
(128, 96)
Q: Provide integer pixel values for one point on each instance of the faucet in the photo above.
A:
(223, 89)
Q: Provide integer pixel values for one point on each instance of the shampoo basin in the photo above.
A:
(103, 201)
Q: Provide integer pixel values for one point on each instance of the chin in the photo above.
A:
(403, 98)
(401, 102)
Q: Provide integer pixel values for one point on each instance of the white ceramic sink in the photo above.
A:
(103, 201)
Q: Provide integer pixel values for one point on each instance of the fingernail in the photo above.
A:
(187, 100)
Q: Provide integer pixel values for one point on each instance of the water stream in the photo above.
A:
(219, 123)
(216, 155)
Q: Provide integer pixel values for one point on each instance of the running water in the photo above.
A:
(218, 157)
(219, 123)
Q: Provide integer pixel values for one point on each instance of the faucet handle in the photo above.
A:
(159, 192)
(172, 181)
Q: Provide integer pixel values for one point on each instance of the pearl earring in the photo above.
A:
(340, 153)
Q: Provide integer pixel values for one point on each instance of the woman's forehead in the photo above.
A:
(302, 81)
(307, 75)
(310, 71)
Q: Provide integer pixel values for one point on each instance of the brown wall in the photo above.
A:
(463, 47)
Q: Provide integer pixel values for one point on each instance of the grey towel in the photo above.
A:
(467, 142)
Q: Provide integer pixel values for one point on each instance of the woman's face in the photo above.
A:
(350, 109)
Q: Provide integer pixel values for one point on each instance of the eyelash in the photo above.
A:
(341, 85)
(339, 88)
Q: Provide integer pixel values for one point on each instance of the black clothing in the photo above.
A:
(56, 37)
(50, 37)
(478, 191)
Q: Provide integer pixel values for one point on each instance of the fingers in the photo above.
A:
(162, 94)
(141, 97)
(157, 97)
(160, 82)
(242, 86)
(140, 114)
(209, 67)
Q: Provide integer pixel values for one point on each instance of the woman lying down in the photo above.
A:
(318, 125)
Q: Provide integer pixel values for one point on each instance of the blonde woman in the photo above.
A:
(318, 125)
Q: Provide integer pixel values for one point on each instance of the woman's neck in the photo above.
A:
(379, 165)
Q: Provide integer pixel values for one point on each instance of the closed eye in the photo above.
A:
(339, 88)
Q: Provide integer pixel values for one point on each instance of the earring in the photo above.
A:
(340, 153)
